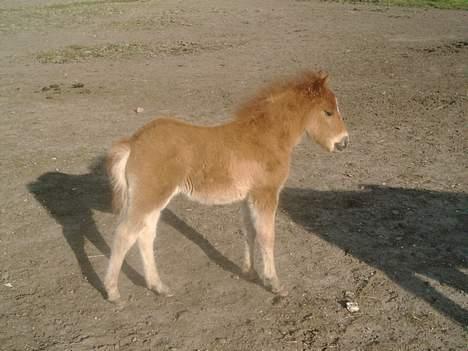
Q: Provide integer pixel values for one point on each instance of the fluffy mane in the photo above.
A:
(293, 93)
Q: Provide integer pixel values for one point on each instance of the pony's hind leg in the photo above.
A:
(138, 222)
(126, 234)
(249, 236)
(145, 244)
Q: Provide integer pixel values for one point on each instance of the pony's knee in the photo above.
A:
(265, 240)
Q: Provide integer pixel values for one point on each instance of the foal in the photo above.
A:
(246, 159)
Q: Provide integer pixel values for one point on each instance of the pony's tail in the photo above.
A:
(116, 169)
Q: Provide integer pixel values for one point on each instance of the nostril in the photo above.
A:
(345, 141)
(342, 144)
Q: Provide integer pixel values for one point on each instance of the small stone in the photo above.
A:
(77, 85)
(352, 306)
(8, 285)
(139, 110)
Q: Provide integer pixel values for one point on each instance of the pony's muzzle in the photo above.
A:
(342, 144)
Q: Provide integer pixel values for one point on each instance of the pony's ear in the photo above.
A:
(323, 77)
(313, 83)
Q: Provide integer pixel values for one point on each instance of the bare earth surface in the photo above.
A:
(383, 224)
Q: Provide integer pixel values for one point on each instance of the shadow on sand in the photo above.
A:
(405, 233)
(71, 199)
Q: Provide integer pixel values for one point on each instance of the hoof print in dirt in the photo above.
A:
(278, 299)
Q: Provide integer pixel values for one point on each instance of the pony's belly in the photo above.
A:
(218, 196)
(220, 185)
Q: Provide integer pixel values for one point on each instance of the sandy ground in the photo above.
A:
(384, 224)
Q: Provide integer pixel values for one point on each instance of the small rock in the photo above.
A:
(8, 285)
(139, 110)
(352, 306)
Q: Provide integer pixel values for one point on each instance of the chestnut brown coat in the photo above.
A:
(246, 159)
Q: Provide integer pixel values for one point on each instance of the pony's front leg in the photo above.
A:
(263, 204)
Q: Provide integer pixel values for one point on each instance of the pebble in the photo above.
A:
(352, 306)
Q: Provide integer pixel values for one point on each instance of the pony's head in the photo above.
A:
(323, 120)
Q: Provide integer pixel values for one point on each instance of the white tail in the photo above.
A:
(116, 167)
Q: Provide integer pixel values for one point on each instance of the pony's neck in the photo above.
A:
(279, 121)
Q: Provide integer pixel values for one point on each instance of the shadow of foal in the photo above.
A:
(70, 200)
(406, 233)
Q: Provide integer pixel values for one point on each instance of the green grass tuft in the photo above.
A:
(85, 3)
(439, 4)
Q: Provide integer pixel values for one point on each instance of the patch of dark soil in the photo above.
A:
(455, 47)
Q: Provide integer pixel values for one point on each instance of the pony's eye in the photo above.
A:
(328, 113)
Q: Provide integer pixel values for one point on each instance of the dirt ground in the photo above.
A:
(383, 224)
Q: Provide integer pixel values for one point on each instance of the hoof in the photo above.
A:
(250, 275)
(113, 296)
(281, 291)
(274, 286)
(119, 304)
(162, 290)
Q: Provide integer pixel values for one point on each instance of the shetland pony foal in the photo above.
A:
(246, 159)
